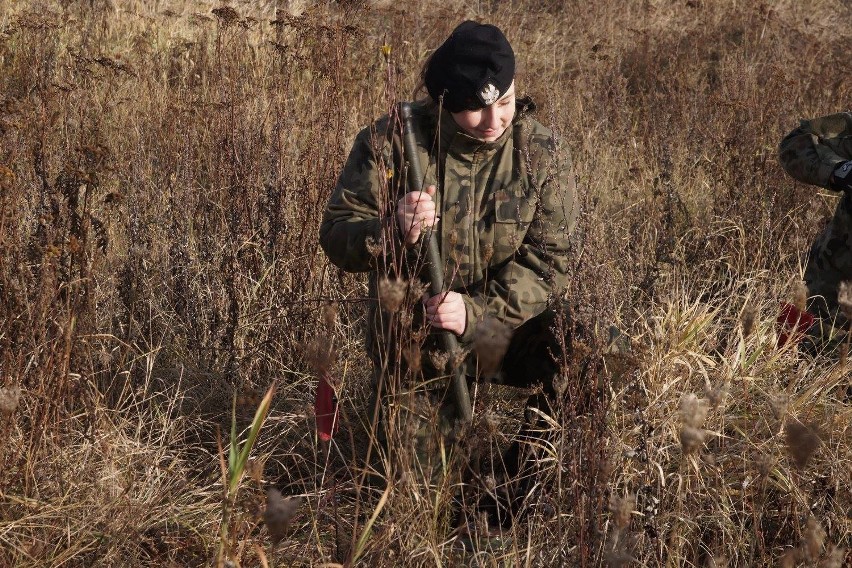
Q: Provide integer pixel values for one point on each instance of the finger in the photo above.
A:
(437, 298)
(424, 195)
(448, 311)
(422, 207)
(443, 320)
(431, 309)
(427, 192)
(429, 215)
(412, 197)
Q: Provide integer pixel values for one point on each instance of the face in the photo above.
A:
(489, 123)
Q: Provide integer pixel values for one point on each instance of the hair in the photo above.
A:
(420, 92)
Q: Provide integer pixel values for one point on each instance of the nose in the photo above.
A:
(492, 117)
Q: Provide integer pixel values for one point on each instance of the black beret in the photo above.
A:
(472, 69)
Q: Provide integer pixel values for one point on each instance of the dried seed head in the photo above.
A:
(457, 358)
(607, 466)
(487, 253)
(439, 360)
(835, 558)
(412, 356)
(621, 509)
(691, 439)
(490, 342)
(693, 410)
(392, 294)
(7, 178)
(802, 442)
(618, 558)
(490, 483)
(374, 249)
(779, 405)
(416, 289)
(560, 384)
(418, 335)
(800, 295)
(10, 397)
(320, 354)
(814, 539)
(329, 315)
(718, 560)
(790, 558)
(254, 468)
(404, 480)
(492, 423)
(716, 396)
(844, 298)
(748, 318)
(765, 463)
(278, 514)
(227, 16)
(480, 522)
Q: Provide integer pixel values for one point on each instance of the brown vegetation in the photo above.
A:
(163, 168)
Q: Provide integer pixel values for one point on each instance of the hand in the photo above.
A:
(446, 311)
(841, 178)
(416, 212)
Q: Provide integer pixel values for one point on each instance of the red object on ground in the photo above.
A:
(794, 323)
(325, 408)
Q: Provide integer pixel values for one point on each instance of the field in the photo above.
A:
(163, 170)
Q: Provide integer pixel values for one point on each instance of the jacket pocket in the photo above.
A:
(512, 219)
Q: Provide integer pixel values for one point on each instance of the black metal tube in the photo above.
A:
(433, 261)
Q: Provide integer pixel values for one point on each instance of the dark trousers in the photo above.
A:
(531, 362)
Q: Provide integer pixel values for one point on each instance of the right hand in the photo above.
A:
(416, 212)
(841, 178)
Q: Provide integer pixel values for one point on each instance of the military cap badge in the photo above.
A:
(489, 94)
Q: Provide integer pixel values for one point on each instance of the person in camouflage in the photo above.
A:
(819, 152)
(500, 199)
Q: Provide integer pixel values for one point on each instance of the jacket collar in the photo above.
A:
(452, 136)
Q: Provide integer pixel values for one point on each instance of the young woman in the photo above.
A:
(500, 199)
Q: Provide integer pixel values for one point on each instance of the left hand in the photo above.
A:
(446, 311)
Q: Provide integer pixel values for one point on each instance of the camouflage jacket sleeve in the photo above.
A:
(538, 271)
(352, 220)
(812, 152)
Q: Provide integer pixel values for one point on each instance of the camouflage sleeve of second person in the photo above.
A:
(812, 152)
(522, 287)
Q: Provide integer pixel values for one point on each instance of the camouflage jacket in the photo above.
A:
(812, 152)
(506, 211)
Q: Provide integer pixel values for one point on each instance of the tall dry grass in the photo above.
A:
(163, 168)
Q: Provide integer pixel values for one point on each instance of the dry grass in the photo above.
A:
(163, 168)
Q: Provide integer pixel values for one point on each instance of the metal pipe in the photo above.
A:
(433, 261)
